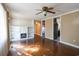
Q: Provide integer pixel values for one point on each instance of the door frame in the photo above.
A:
(53, 27)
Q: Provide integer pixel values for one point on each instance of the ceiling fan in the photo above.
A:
(46, 10)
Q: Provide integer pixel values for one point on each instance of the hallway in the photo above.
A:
(35, 47)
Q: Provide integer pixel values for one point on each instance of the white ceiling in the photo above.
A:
(28, 10)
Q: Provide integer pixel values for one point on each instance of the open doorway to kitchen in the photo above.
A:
(56, 29)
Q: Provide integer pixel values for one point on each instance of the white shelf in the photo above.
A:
(15, 32)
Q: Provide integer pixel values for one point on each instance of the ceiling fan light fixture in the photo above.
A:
(45, 13)
(46, 10)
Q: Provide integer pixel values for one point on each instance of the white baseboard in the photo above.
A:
(75, 46)
(49, 38)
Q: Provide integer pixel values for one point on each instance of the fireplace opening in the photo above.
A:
(23, 35)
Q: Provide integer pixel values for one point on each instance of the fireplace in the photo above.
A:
(23, 35)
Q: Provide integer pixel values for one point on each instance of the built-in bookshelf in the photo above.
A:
(30, 32)
(17, 31)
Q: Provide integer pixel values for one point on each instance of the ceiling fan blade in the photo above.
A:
(39, 12)
(38, 9)
(50, 8)
(51, 12)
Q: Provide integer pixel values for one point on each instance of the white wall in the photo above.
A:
(3, 32)
(70, 28)
(49, 28)
(21, 22)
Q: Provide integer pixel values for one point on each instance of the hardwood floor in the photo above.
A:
(46, 48)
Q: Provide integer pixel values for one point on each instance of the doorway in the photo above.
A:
(43, 29)
(37, 31)
(57, 29)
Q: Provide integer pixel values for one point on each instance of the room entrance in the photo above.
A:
(37, 31)
(56, 29)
